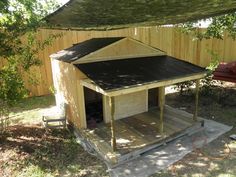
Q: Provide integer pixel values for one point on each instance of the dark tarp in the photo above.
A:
(84, 48)
(125, 73)
(105, 13)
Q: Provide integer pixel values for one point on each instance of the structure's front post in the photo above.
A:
(196, 99)
(82, 113)
(161, 102)
(113, 137)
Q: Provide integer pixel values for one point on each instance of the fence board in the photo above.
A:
(168, 39)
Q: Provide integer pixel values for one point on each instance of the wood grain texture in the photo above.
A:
(126, 105)
(142, 130)
(167, 39)
(123, 49)
(66, 79)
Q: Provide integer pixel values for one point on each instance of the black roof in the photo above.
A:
(84, 48)
(117, 74)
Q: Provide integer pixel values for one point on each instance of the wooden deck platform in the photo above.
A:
(139, 133)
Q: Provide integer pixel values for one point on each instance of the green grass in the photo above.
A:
(30, 110)
(26, 149)
(218, 158)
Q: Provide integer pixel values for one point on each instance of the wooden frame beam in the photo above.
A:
(82, 114)
(113, 137)
(90, 84)
(196, 99)
(154, 84)
(161, 103)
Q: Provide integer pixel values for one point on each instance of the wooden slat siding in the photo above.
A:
(168, 39)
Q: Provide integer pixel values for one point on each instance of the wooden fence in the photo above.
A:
(168, 39)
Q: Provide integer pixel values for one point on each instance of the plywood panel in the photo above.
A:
(66, 78)
(125, 48)
(126, 105)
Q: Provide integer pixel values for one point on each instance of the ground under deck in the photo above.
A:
(140, 131)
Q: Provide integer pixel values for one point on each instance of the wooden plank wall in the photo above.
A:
(168, 39)
(67, 83)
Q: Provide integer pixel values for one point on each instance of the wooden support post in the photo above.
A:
(161, 102)
(196, 99)
(82, 114)
(113, 137)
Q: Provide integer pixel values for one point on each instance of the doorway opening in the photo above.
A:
(93, 108)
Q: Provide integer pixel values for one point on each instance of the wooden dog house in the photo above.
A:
(115, 91)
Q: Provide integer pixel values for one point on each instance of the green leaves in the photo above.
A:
(19, 20)
(12, 87)
(219, 25)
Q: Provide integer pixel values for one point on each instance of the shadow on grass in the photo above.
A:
(54, 152)
(30, 110)
(31, 103)
(216, 158)
(217, 103)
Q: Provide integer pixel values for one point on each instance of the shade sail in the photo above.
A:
(124, 13)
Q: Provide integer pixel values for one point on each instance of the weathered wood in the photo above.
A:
(196, 99)
(102, 147)
(113, 136)
(123, 13)
(161, 103)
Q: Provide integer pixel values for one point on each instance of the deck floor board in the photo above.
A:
(141, 130)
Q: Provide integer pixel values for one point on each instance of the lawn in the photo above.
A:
(28, 150)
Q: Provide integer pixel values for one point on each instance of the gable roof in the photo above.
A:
(100, 49)
(107, 13)
(126, 73)
(84, 48)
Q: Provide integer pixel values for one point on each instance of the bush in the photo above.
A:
(207, 83)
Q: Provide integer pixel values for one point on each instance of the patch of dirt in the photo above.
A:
(53, 152)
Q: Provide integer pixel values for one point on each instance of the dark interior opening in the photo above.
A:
(93, 107)
(152, 98)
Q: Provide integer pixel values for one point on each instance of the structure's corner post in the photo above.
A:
(196, 99)
(82, 113)
(161, 102)
(113, 137)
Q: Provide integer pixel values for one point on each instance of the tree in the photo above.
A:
(19, 21)
(216, 29)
